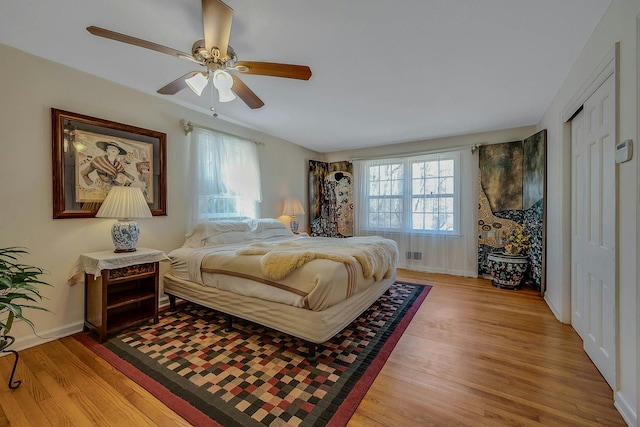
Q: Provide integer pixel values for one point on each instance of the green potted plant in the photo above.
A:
(19, 289)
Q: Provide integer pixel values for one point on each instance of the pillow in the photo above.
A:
(204, 230)
(230, 237)
(258, 225)
(271, 232)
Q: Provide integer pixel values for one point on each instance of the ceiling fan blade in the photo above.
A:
(216, 19)
(101, 32)
(301, 72)
(177, 85)
(246, 94)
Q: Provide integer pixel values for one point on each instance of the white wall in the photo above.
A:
(493, 137)
(29, 88)
(618, 25)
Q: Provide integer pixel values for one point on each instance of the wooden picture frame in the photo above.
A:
(90, 155)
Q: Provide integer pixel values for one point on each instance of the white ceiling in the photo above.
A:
(384, 71)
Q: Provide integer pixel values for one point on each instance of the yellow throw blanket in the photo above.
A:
(377, 256)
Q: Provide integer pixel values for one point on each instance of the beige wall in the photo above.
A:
(29, 88)
(618, 25)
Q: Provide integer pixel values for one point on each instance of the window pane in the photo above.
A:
(396, 188)
(446, 205)
(398, 171)
(417, 221)
(431, 186)
(446, 186)
(374, 173)
(431, 169)
(446, 167)
(431, 205)
(385, 206)
(385, 188)
(417, 186)
(396, 205)
(418, 204)
(447, 222)
(383, 220)
(395, 220)
(385, 172)
(417, 170)
(374, 188)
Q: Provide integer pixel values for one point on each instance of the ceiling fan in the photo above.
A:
(217, 58)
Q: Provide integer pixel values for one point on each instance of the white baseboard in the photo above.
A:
(628, 414)
(552, 307)
(46, 336)
(423, 269)
(61, 332)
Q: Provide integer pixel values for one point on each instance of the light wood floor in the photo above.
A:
(473, 355)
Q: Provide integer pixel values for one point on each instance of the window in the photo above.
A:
(224, 177)
(413, 194)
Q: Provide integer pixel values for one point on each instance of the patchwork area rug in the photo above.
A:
(255, 376)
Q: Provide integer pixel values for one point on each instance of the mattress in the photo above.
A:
(314, 326)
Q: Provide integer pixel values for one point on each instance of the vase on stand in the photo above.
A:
(507, 271)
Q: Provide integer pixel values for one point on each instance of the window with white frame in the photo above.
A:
(417, 194)
(224, 177)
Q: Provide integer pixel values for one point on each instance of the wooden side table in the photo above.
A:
(121, 289)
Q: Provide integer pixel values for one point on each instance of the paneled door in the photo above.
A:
(593, 248)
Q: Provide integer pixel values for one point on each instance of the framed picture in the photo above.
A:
(92, 155)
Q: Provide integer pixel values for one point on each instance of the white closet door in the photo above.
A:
(593, 264)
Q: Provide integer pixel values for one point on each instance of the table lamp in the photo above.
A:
(124, 203)
(293, 207)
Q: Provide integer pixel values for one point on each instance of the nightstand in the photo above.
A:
(121, 289)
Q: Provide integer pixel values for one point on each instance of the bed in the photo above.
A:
(257, 270)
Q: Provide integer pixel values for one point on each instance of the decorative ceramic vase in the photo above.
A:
(507, 271)
(124, 234)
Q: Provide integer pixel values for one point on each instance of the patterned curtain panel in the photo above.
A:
(331, 199)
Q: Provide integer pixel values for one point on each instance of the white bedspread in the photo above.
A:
(333, 269)
(377, 256)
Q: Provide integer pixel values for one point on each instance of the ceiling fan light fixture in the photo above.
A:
(223, 82)
(197, 83)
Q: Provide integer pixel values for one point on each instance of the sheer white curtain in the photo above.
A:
(429, 238)
(224, 177)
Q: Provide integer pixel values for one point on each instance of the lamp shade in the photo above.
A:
(197, 83)
(223, 82)
(124, 202)
(292, 207)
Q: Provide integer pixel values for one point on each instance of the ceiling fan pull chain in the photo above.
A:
(213, 99)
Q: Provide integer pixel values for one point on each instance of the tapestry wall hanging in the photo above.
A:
(331, 199)
(512, 191)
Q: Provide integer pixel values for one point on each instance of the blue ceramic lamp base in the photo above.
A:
(125, 233)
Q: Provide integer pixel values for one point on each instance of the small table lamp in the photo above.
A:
(124, 203)
(293, 207)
